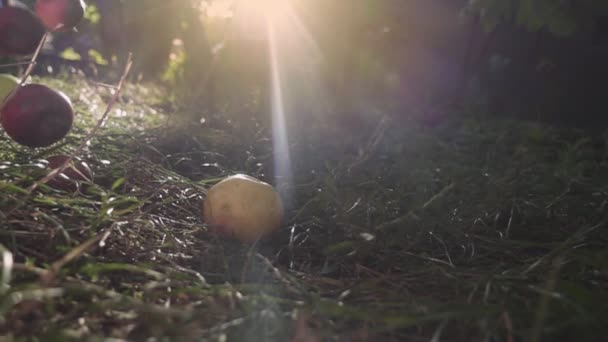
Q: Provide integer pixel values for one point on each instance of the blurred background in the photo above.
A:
(347, 60)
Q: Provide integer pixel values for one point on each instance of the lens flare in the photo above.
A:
(280, 139)
(293, 73)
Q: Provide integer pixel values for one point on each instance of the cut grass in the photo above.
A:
(480, 229)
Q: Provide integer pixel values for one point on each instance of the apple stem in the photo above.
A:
(92, 133)
(32, 63)
(30, 67)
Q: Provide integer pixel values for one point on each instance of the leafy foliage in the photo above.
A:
(558, 17)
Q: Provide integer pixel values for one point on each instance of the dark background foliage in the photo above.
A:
(535, 59)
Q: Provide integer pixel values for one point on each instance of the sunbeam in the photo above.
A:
(294, 89)
(282, 160)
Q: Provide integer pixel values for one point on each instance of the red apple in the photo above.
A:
(20, 31)
(69, 180)
(53, 13)
(37, 116)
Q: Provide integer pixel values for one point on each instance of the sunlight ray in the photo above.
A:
(282, 159)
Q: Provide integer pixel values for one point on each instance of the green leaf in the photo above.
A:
(117, 183)
(70, 54)
(9, 187)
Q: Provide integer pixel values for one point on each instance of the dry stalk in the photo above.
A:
(49, 275)
(53, 173)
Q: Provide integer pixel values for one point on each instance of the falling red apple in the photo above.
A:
(20, 31)
(70, 179)
(37, 116)
(60, 13)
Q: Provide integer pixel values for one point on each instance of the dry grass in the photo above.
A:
(478, 230)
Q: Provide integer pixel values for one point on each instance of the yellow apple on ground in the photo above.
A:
(8, 82)
(243, 207)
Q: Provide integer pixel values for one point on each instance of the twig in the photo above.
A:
(372, 143)
(439, 330)
(439, 261)
(412, 212)
(289, 284)
(105, 85)
(184, 269)
(30, 67)
(396, 221)
(32, 64)
(438, 195)
(543, 305)
(445, 249)
(53, 173)
(91, 134)
(29, 268)
(509, 223)
(577, 237)
(48, 276)
(8, 65)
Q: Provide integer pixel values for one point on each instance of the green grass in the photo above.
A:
(481, 229)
